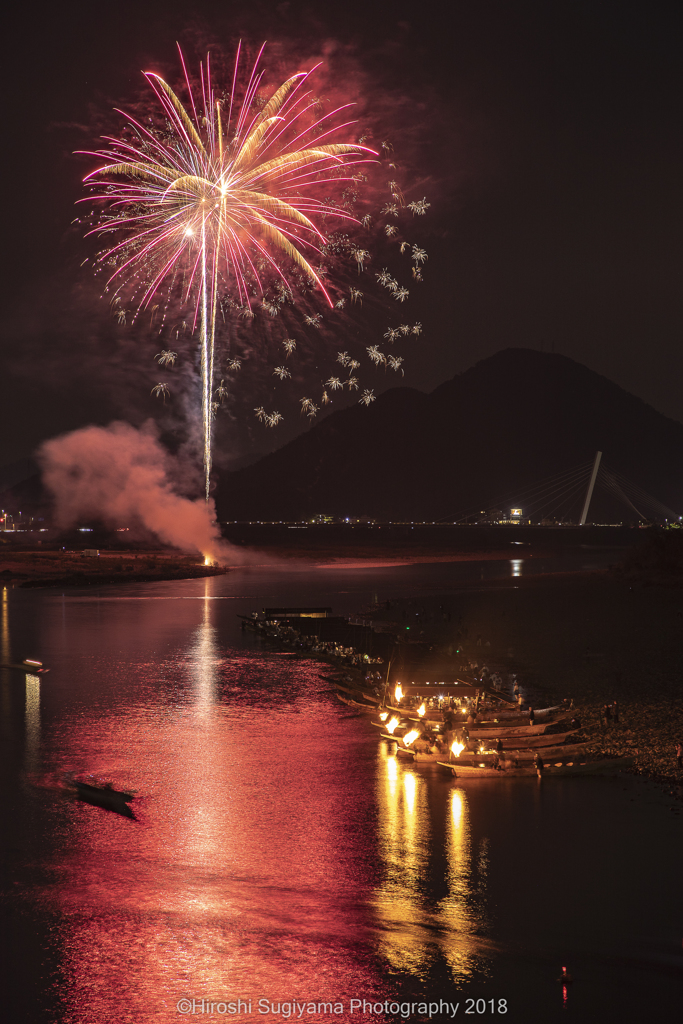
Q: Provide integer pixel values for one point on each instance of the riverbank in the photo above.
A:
(589, 636)
(30, 569)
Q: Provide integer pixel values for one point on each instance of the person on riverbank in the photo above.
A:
(532, 717)
(538, 761)
(606, 716)
(679, 755)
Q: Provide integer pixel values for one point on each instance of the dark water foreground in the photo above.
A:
(280, 853)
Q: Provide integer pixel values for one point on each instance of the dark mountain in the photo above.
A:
(22, 491)
(477, 440)
(16, 473)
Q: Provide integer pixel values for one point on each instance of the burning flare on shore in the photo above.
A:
(410, 737)
(398, 693)
(457, 748)
(391, 724)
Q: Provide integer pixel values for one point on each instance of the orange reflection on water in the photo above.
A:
(5, 658)
(457, 912)
(403, 838)
(4, 628)
(32, 723)
(419, 831)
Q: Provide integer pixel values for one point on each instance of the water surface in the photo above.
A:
(279, 850)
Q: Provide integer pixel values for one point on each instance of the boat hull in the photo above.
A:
(511, 758)
(509, 743)
(578, 767)
(109, 799)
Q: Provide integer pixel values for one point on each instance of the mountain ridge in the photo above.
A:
(516, 416)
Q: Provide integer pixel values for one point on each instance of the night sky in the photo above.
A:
(546, 135)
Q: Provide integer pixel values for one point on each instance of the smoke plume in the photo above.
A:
(120, 475)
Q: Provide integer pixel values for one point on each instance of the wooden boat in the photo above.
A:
(489, 721)
(106, 797)
(524, 742)
(509, 743)
(367, 708)
(491, 717)
(461, 688)
(512, 758)
(498, 723)
(488, 716)
(505, 714)
(344, 689)
(573, 767)
(484, 730)
(500, 731)
(28, 665)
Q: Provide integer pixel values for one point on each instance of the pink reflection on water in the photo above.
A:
(240, 878)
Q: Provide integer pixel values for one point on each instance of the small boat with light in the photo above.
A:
(28, 665)
(487, 758)
(396, 721)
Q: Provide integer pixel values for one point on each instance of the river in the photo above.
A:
(282, 864)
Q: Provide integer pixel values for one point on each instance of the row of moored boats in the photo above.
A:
(476, 733)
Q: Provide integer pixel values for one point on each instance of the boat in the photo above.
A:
(490, 717)
(506, 714)
(510, 757)
(518, 724)
(486, 721)
(368, 708)
(573, 767)
(509, 742)
(490, 729)
(526, 741)
(106, 797)
(344, 689)
(28, 665)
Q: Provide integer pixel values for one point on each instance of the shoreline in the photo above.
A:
(589, 636)
(34, 570)
(31, 569)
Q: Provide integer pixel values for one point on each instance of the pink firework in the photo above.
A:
(220, 195)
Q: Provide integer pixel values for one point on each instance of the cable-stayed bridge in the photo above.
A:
(569, 497)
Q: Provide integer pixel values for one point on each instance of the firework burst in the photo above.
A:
(218, 196)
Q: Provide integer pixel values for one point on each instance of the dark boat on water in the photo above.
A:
(105, 797)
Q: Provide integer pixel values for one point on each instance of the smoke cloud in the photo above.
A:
(120, 475)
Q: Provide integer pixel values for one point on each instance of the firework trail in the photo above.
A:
(216, 196)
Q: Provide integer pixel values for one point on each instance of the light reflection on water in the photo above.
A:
(279, 850)
(417, 927)
(403, 850)
(32, 720)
